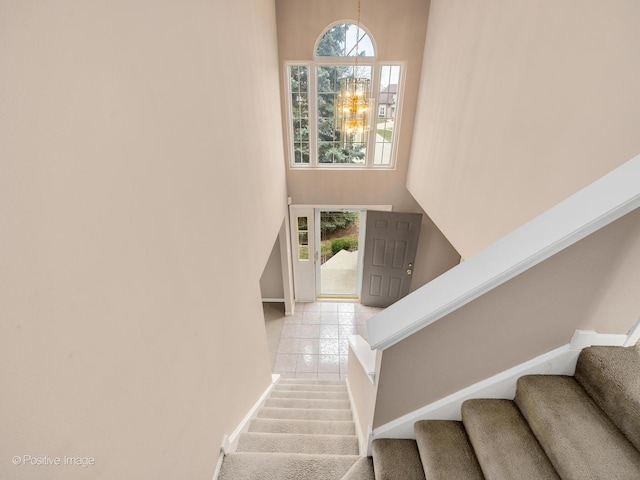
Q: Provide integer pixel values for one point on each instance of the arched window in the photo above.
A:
(345, 40)
(343, 50)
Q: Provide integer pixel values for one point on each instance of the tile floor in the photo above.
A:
(314, 341)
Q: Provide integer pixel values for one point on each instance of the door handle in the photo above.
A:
(409, 271)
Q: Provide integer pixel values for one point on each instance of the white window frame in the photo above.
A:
(312, 82)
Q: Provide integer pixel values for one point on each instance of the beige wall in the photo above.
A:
(521, 104)
(131, 327)
(591, 285)
(271, 285)
(399, 31)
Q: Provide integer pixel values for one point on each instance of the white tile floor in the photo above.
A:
(314, 342)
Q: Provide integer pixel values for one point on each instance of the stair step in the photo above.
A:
(503, 442)
(314, 395)
(310, 388)
(271, 466)
(312, 427)
(395, 459)
(298, 443)
(306, 403)
(579, 439)
(445, 451)
(611, 376)
(304, 381)
(305, 413)
(361, 470)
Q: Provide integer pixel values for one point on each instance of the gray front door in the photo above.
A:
(389, 256)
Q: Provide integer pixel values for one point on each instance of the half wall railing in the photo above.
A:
(595, 206)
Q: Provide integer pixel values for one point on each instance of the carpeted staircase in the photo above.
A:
(304, 431)
(585, 427)
(558, 427)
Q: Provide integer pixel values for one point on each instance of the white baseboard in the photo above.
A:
(230, 443)
(561, 361)
(362, 440)
(588, 338)
(633, 335)
(244, 425)
(216, 472)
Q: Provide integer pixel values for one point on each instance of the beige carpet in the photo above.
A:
(585, 427)
(445, 450)
(361, 470)
(304, 431)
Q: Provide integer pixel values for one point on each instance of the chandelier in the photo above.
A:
(354, 106)
(354, 103)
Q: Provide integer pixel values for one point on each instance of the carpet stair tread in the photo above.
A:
(445, 451)
(611, 376)
(585, 427)
(319, 427)
(285, 466)
(307, 403)
(310, 395)
(579, 439)
(298, 443)
(504, 445)
(310, 387)
(304, 381)
(305, 413)
(361, 470)
(395, 459)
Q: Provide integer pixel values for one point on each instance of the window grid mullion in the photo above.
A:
(371, 140)
(290, 107)
(313, 115)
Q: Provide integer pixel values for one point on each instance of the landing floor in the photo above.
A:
(314, 341)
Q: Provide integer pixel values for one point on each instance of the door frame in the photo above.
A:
(318, 244)
(305, 281)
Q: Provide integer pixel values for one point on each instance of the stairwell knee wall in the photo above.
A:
(363, 398)
(587, 286)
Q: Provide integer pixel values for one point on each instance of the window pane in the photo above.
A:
(332, 149)
(345, 40)
(303, 238)
(387, 106)
(299, 82)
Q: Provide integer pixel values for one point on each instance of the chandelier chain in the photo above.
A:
(357, 40)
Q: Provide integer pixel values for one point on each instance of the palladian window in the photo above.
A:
(344, 68)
